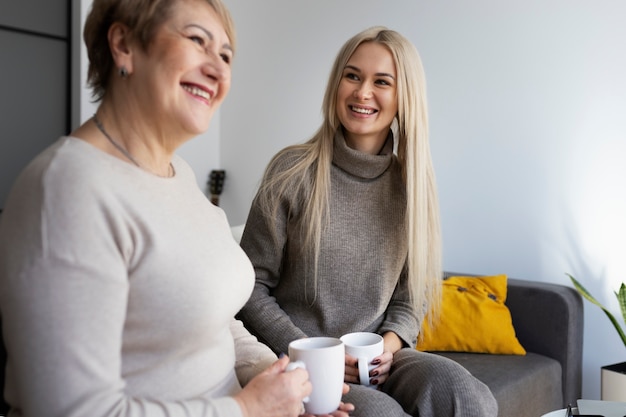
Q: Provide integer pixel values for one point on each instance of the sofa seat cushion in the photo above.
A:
(527, 385)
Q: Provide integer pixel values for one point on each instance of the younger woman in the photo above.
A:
(344, 235)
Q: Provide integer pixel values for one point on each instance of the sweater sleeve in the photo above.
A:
(252, 357)
(263, 241)
(64, 299)
(66, 319)
(400, 316)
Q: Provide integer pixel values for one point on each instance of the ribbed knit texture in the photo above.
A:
(361, 285)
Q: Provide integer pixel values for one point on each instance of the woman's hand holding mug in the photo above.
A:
(366, 363)
(274, 392)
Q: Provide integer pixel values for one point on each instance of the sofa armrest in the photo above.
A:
(548, 319)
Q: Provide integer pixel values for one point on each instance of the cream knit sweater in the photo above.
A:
(118, 291)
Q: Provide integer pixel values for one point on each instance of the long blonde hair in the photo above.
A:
(311, 171)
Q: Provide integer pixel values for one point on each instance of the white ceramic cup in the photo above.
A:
(324, 360)
(365, 347)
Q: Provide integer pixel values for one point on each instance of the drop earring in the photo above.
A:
(123, 72)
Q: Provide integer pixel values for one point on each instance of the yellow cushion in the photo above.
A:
(473, 318)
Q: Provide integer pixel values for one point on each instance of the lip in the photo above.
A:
(198, 91)
(370, 110)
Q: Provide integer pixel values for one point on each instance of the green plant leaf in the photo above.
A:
(621, 297)
(622, 300)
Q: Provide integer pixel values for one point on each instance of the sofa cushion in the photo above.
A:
(473, 318)
(515, 379)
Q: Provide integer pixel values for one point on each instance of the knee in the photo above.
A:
(440, 385)
(369, 402)
(469, 393)
(448, 378)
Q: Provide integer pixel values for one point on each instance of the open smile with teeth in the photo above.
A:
(197, 91)
(362, 110)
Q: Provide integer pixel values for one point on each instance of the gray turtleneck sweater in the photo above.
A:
(361, 284)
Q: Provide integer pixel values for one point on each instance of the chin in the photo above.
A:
(198, 125)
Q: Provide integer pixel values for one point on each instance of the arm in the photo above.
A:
(64, 298)
(63, 325)
(252, 357)
(392, 342)
(262, 314)
(400, 318)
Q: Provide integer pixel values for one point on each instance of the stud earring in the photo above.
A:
(123, 72)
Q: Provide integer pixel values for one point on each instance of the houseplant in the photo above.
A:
(613, 377)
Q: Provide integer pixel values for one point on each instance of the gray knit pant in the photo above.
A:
(424, 385)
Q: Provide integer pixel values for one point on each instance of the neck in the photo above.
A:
(133, 148)
(369, 144)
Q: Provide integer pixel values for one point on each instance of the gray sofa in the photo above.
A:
(548, 321)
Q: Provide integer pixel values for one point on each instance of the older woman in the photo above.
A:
(119, 280)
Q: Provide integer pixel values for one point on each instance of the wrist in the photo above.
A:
(392, 342)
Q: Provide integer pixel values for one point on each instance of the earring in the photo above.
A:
(123, 72)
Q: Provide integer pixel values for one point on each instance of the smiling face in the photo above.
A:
(185, 73)
(366, 98)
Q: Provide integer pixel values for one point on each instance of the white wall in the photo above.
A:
(528, 123)
(528, 128)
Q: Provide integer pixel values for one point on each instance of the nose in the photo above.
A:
(215, 67)
(363, 91)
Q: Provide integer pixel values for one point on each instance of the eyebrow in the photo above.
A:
(378, 74)
(209, 35)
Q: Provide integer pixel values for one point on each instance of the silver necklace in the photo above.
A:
(121, 148)
(114, 143)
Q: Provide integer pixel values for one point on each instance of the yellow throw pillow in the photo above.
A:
(473, 318)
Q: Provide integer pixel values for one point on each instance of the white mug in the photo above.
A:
(324, 360)
(365, 347)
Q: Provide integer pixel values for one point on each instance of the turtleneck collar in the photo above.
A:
(361, 164)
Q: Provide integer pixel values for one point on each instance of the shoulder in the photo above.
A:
(287, 159)
(75, 171)
(57, 192)
(58, 169)
(285, 180)
(72, 180)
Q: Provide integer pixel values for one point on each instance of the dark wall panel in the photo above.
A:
(42, 16)
(33, 107)
(34, 82)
